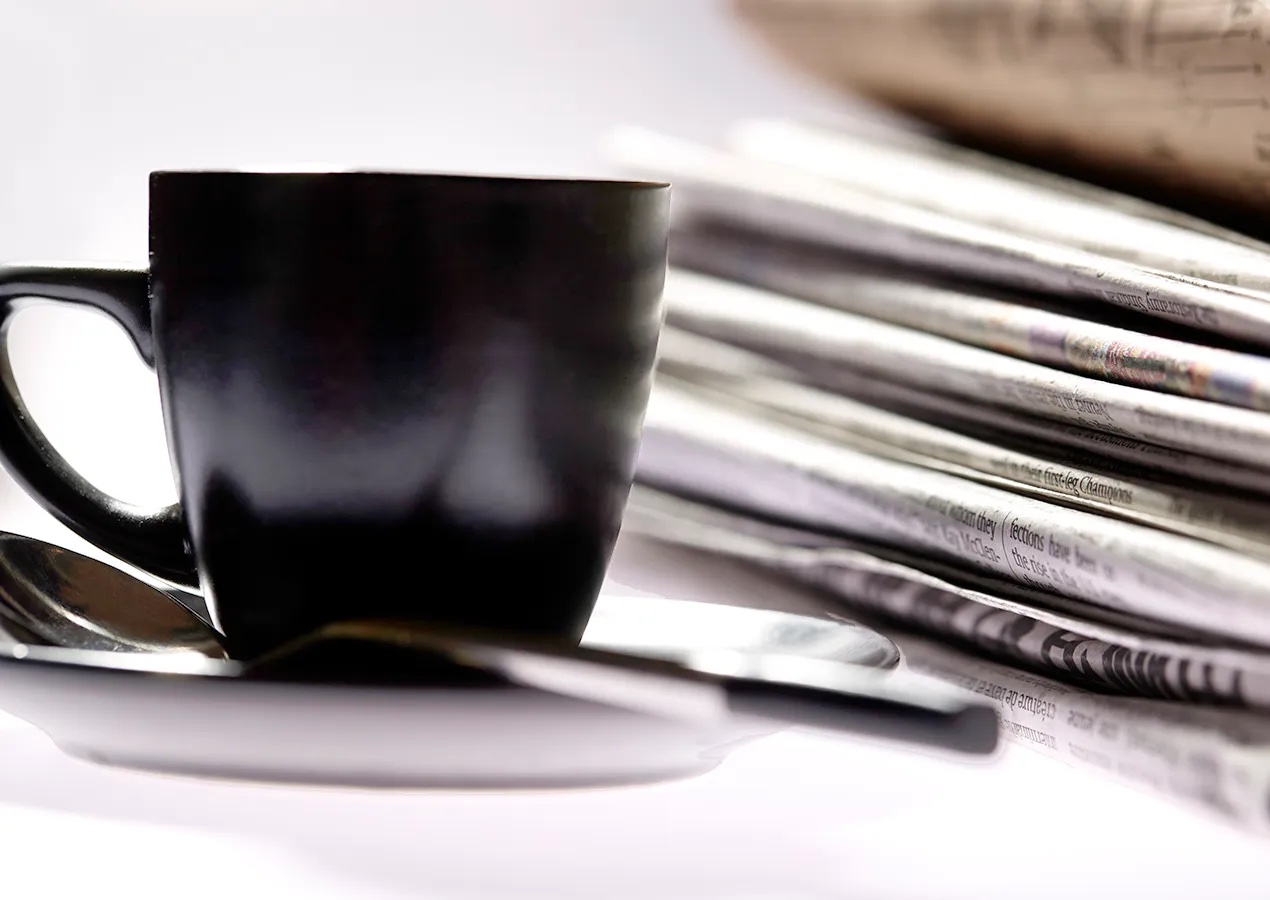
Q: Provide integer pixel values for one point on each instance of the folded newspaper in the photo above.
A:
(986, 614)
(733, 457)
(1026, 418)
(1216, 760)
(981, 316)
(780, 325)
(741, 379)
(1194, 275)
(977, 187)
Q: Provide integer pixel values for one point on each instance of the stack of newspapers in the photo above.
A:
(1022, 418)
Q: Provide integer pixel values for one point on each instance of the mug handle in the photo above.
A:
(153, 540)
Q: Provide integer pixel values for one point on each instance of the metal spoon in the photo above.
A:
(60, 606)
(53, 597)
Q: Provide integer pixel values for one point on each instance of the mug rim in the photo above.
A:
(407, 175)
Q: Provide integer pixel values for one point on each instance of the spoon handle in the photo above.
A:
(794, 691)
(884, 705)
(703, 686)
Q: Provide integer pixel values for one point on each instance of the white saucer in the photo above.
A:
(185, 713)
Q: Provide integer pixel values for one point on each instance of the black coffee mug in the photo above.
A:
(386, 395)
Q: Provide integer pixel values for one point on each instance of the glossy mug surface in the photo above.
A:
(386, 394)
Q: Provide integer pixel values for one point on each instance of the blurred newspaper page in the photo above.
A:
(1170, 92)
(1216, 760)
(775, 324)
(1013, 325)
(1062, 643)
(985, 189)
(1072, 444)
(785, 200)
(720, 371)
(729, 457)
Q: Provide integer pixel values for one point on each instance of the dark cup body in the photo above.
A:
(403, 396)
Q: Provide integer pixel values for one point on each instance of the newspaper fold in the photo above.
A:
(1072, 444)
(734, 377)
(1065, 644)
(980, 188)
(704, 449)
(1215, 760)
(772, 323)
(1013, 326)
(784, 200)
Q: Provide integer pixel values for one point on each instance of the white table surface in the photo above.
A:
(798, 814)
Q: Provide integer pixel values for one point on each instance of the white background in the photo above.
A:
(98, 94)
(95, 95)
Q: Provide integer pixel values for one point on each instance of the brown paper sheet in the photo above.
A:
(1173, 95)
